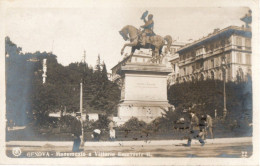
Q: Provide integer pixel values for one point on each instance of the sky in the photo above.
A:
(67, 32)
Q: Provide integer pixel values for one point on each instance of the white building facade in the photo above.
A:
(227, 50)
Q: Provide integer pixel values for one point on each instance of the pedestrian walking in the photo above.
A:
(210, 125)
(202, 125)
(194, 130)
(76, 132)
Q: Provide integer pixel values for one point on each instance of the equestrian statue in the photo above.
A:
(145, 38)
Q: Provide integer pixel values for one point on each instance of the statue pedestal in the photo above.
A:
(144, 91)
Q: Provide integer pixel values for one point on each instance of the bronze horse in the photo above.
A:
(156, 42)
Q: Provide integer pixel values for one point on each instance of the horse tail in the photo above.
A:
(168, 39)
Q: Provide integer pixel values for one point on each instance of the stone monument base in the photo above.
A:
(143, 91)
(145, 111)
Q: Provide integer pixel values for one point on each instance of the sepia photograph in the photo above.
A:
(128, 82)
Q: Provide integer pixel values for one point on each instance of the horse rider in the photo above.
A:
(148, 28)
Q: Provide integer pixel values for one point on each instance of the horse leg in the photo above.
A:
(160, 51)
(122, 50)
(153, 56)
(134, 43)
(156, 52)
(133, 50)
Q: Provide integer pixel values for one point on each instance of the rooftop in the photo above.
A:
(218, 33)
(176, 56)
(179, 43)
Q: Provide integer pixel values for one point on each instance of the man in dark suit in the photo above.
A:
(202, 125)
(76, 132)
(194, 130)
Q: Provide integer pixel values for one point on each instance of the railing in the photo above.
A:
(201, 56)
(241, 47)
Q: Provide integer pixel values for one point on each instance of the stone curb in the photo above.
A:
(132, 143)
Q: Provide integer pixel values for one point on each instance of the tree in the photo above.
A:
(32, 100)
(206, 96)
(98, 65)
(104, 73)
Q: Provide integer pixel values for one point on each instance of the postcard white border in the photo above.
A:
(253, 4)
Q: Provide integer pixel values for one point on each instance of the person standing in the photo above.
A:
(96, 134)
(112, 132)
(202, 125)
(194, 130)
(210, 125)
(216, 114)
(76, 132)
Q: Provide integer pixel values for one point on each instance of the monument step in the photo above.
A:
(143, 103)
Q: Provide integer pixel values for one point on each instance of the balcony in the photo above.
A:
(200, 56)
(248, 48)
(181, 63)
(241, 48)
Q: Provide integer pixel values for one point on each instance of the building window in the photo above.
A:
(201, 65)
(220, 76)
(206, 65)
(217, 62)
(248, 59)
(228, 58)
(201, 77)
(174, 67)
(217, 44)
(193, 68)
(211, 47)
(222, 43)
(206, 48)
(188, 55)
(248, 44)
(212, 75)
(193, 53)
(239, 58)
(239, 42)
(184, 71)
(212, 63)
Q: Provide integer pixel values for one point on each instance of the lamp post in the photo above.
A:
(224, 87)
(81, 112)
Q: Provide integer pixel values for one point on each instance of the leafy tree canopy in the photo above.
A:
(29, 100)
